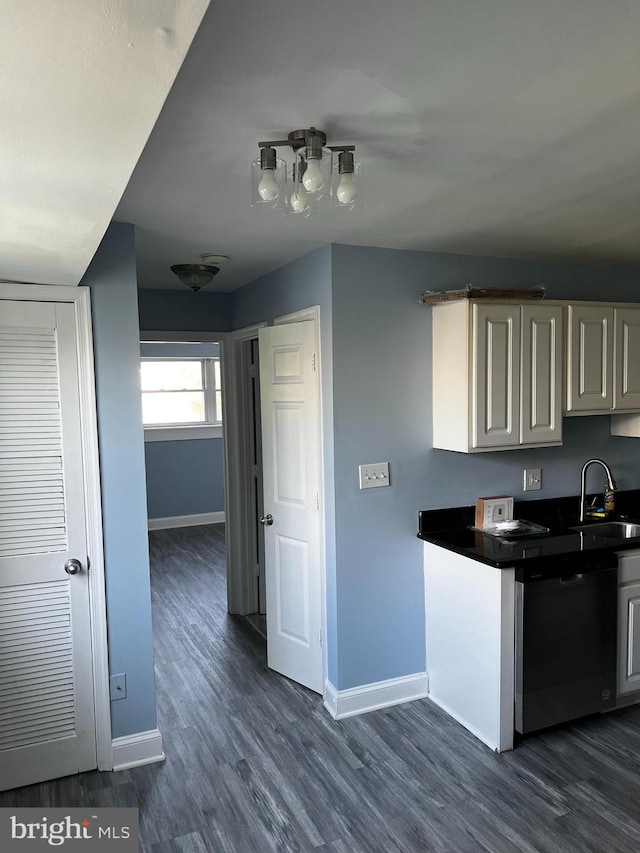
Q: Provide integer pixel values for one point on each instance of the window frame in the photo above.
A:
(211, 427)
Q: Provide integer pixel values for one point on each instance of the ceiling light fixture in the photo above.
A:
(320, 173)
(197, 276)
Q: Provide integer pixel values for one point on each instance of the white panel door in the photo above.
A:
(495, 392)
(291, 477)
(46, 688)
(627, 359)
(541, 392)
(590, 358)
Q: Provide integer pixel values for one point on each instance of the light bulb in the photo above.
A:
(268, 188)
(347, 191)
(299, 199)
(313, 179)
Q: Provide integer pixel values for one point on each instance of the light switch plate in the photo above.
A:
(532, 479)
(374, 475)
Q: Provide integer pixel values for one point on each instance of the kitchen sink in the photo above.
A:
(611, 529)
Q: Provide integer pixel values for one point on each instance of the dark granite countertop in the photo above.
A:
(451, 529)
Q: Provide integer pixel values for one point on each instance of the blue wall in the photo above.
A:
(184, 477)
(184, 311)
(379, 338)
(376, 352)
(112, 279)
(298, 285)
(382, 405)
(381, 414)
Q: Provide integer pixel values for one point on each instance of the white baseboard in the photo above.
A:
(371, 697)
(486, 739)
(186, 520)
(135, 750)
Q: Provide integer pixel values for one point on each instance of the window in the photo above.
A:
(181, 394)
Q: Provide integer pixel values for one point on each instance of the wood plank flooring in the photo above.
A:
(255, 764)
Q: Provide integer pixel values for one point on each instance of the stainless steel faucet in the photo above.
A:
(583, 483)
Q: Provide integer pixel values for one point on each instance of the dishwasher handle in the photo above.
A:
(571, 580)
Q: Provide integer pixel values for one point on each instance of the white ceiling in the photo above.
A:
(83, 82)
(497, 127)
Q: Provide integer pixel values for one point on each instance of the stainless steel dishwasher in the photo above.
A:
(566, 634)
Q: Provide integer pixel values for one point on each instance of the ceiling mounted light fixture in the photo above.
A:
(197, 276)
(319, 174)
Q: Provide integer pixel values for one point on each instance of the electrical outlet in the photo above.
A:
(374, 475)
(118, 686)
(532, 479)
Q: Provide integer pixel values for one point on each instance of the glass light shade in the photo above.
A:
(300, 202)
(303, 207)
(317, 177)
(269, 186)
(346, 188)
(195, 276)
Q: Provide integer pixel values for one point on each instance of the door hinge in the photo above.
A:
(313, 361)
(317, 501)
(320, 637)
(257, 569)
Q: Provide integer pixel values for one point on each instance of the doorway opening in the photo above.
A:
(186, 416)
(272, 442)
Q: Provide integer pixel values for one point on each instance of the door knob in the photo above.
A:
(266, 519)
(72, 567)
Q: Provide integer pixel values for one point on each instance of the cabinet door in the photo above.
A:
(627, 359)
(629, 639)
(590, 358)
(541, 372)
(495, 388)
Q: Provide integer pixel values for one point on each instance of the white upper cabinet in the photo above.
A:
(497, 375)
(603, 359)
(590, 336)
(541, 393)
(495, 379)
(626, 381)
(498, 371)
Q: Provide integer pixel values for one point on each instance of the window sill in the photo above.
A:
(183, 433)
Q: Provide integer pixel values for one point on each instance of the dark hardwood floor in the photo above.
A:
(255, 764)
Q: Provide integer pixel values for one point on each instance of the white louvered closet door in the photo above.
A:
(46, 689)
